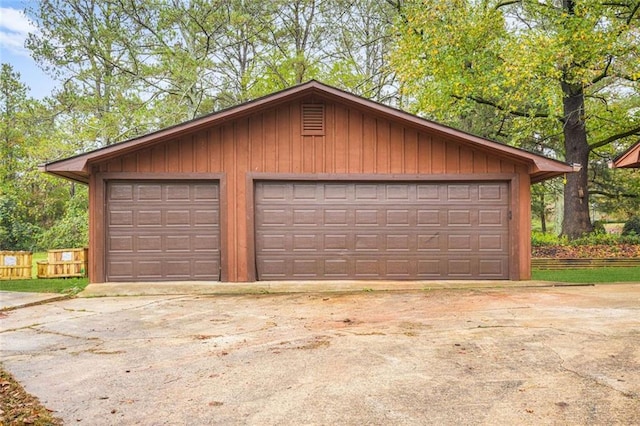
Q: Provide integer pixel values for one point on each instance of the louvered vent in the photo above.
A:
(313, 119)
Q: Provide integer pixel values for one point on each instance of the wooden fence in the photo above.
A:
(15, 265)
(64, 263)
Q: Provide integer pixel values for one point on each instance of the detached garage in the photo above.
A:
(311, 183)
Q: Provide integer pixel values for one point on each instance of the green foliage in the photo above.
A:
(632, 227)
(598, 227)
(17, 232)
(560, 78)
(72, 229)
(30, 202)
(596, 238)
(539, 239)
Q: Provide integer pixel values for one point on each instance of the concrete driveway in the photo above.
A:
(564, 355)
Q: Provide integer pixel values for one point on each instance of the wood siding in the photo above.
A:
(272, 142)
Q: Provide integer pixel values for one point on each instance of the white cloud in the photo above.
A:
(14, 29)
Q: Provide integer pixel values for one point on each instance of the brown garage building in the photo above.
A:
(308, 183)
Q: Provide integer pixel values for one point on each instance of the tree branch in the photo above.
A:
(604, 73)
(501, 108)
(628, 77)
(612, 195)
(506, 3)
(611, 139)
(633, 12)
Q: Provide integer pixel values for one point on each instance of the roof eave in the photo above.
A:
(630, 158)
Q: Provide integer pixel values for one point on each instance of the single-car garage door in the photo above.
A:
(371, 230)
(162, 231)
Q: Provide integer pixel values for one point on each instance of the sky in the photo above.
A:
(14, 28)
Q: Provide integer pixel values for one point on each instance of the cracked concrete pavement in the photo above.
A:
(564, 355)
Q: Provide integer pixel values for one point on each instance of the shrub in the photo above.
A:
(71, 230)
(596, 238)
(632, 226)
(598, 227)
(541, 239)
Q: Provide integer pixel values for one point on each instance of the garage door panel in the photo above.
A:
(381, 230)
(148, 243)
(336, 242)
(460, 192)
(148, 218)
(492, 242)
(430, 268)
(337, 192)
(459, 218)
(206, 243)
(305, 242)
(149, 192)
(459, 243)
(203, 217)
(120, 218)
(121, 192)
(305, 217)
(178, 217)
(121, 269)
(148, 269)
(367, 217)
(459, 268)
(203, 269)
(121, 244)
(492, 193)
(162, 231)
(335, 217)
(491, 268)
(491, 218)
(206, 192)
(336, 268)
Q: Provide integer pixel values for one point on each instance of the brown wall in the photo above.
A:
(271, 142)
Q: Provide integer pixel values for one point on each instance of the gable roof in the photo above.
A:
(630, 158)
(77, 167)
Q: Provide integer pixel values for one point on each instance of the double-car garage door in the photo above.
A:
(170, 230)
(369, 230)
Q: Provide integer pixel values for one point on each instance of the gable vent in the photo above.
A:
(312, 119)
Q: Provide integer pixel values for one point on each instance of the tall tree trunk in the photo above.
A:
(576, 220)
(543, 213)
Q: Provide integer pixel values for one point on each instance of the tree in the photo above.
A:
(29, 201)
(360, 38)
(543, 70)
(91, 46)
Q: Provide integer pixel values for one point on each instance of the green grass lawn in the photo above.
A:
(589, 276)
(52, 285)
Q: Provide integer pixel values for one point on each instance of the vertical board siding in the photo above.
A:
(271, 142)
(369, 158)
(341, 141)
(354, 141)
(382, 146)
